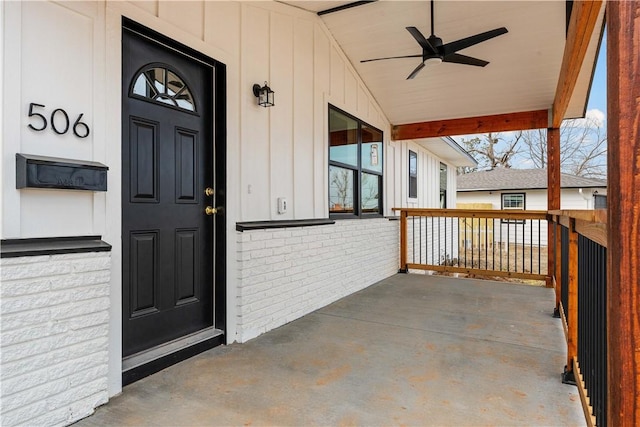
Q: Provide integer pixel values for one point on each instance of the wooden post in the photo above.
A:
(558, 263)
(551, 257)
(403, 242)
(553, 197)
(623, 223)
(572, 309)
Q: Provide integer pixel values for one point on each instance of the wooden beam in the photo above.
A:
(482, 124)
(623, 225)
(584, 16)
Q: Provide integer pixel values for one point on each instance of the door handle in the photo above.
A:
(210, 210)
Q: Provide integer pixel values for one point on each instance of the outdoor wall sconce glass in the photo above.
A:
(264, 95)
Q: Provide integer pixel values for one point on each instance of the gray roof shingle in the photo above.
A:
(520, 179)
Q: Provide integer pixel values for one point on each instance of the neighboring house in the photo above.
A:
(524, 189)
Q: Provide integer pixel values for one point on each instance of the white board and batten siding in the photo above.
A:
(429, 240)
(428, 177)
(68, 55)
(54, 56)
(284, 150)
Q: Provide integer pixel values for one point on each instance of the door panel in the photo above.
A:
(144, 161)
(143, 279)
(186, 266)
(167, 162)
(186, 159)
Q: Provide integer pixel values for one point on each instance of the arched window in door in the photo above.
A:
(158, 83)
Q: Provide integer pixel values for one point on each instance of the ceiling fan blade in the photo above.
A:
(457, 45)
(463, 59)
(422, 41)
(392, 57)
(416, 71)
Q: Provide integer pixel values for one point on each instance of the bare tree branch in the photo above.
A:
(491, 152)
(583, 148)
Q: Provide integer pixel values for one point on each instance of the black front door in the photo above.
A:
(167, 164)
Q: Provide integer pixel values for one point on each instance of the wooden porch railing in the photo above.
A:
(515, 244)
(483, 242)
(581, 300)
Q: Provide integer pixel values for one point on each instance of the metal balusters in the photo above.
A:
(592, 345)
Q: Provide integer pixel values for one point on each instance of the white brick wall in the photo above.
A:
(286, 273)
(54, 329)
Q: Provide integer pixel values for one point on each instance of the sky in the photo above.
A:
(596, 103)
(598, 95)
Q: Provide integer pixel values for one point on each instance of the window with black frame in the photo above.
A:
(355, 166)
(443, 186)
(413, 175)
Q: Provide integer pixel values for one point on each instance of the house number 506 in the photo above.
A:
(59, 121)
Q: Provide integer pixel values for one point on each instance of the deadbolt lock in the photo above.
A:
(210, 210)
(208, 191)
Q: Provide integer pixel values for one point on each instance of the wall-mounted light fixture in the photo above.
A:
(264, 95)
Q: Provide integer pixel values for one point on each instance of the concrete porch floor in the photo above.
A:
(409, 350)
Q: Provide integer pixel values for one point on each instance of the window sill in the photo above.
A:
(264, 225)
(363, 216)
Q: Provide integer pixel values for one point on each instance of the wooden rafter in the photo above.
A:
(584, 17)
(482, 124)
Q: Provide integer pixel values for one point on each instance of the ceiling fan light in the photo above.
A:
(433, 61)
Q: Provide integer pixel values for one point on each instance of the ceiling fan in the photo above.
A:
(433, 51)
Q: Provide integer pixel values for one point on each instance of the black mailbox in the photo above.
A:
(51, 172)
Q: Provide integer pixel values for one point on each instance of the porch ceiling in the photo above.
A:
(524, 64)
